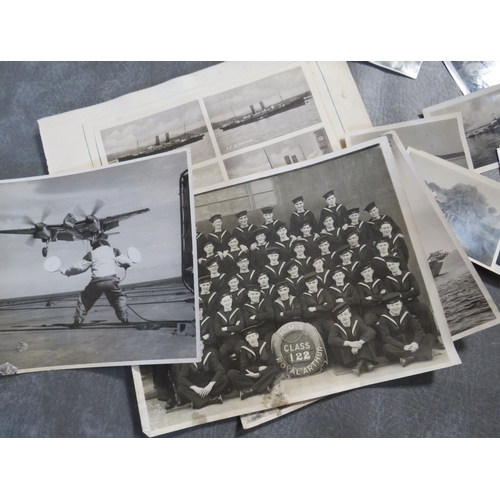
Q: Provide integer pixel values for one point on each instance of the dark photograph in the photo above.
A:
(309, 284)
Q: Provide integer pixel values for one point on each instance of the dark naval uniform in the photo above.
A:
(251, 359)
(356, 331)
(201, 374)
(398, 331)
(261, 317)
(231, 339)
(286, 311)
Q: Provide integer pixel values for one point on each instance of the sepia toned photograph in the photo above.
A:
(283, 260)
(470, 203)
(481, 119)
(160, 132)
(421, 135)
(98, 267)
(262, 110)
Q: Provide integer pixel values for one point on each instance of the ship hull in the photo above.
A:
(266, 113)
(163, 148)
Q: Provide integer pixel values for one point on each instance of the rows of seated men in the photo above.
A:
(338, 273)
(238, 357)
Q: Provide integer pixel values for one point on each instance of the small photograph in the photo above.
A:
(470, 203)
(406, 68)
(308, 276)
(481, 119)
(421, 135)
(474, 75)
(262, 110)
(98, 267)
(467, 305)
(159, 133)
(301, 148)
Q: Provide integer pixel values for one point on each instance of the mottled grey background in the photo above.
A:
(461, 401)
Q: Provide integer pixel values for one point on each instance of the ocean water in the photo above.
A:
(269, 128)
(463, 303)
(483, 148)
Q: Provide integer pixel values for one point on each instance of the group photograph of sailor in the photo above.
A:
(333, 259)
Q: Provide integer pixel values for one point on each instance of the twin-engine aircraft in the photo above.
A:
(89, 228)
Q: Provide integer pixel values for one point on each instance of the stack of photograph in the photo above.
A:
(249, 243)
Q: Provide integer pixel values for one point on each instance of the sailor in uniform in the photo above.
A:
(258, 256)
(275, 266)
(244, 229)
(351, 341)
(258, 313)
(238, 293)
(246, 275)
(317, 306)
(336, 210)
(405, 283)
(202, 383)
(258, 370)
(228, 325)
(403, 338)
(208, 296)
(286, 307)
(301, 215)
(397, 242)
(360, 251)
(270, 223)
(364, 229)
(218, 236)
(283, 241)
(343, 291)
(295, 278)
(335, 234)
(376, 218)
(218, 279)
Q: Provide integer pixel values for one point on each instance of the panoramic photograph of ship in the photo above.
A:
(158, 133)
(263, 110)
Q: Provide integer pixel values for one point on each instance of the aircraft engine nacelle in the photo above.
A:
(42, 231)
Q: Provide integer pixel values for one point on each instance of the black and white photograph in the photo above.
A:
(160, 132)
(296, 149)
(481, 119)
(467, 305)
(474, 75)
(422, 135)
(262, 110)
(470, 203)
(98, 267)
(307, 276)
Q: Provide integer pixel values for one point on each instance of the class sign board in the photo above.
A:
(299, 349)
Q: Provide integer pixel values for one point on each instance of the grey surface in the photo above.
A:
(461, 401)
